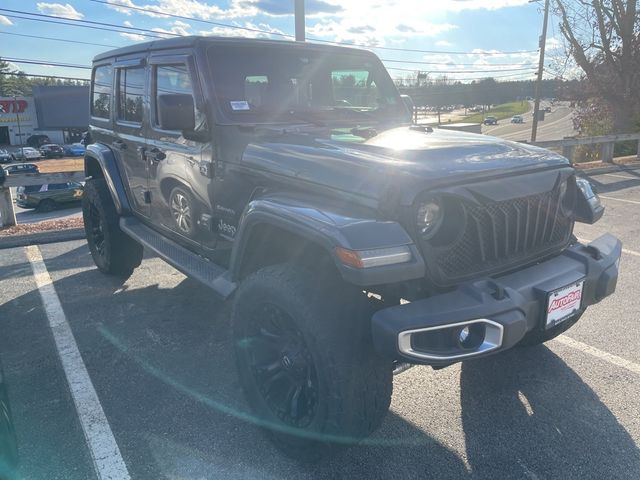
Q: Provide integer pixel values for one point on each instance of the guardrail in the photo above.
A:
(7, 213)
(607, 143)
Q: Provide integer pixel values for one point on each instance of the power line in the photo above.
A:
(57, 77)
(279, 34)
(456, 63)
(76, 25)
(152, 33)
(59, 39)
(467, 71)
(44, 62)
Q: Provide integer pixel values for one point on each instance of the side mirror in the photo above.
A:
(409, 104)
(176, 112)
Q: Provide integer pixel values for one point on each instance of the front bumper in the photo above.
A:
(500, 310)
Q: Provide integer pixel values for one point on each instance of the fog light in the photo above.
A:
(464, 334)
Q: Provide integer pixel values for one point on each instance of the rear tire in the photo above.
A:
(306, 362)
(112, 250)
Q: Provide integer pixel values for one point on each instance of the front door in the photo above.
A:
(179, 187)
(130, 130)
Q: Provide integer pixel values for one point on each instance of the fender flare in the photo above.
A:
(106, 160)
(326, 227)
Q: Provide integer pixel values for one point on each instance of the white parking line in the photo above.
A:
(107, 460)
(624, 250)
(620, 199)
(601, 354)
(620, 176)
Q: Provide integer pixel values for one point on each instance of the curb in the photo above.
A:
(612, 168)
(41, 238)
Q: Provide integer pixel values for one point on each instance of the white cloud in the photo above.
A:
(443, 43)
(5, 21)
(136, 37)
(59, 10)
(234, 32)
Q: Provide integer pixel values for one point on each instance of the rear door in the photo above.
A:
(129, 139)
(178, 184)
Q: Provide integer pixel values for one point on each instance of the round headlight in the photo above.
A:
(428, 217)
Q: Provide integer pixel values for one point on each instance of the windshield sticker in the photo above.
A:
(240, 105)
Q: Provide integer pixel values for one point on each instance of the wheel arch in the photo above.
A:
(100, 162)
(277, 229)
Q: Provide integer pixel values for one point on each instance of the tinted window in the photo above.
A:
(57, 186)
(102, 88)
(171, 79)
(130, 92)
(274, 84)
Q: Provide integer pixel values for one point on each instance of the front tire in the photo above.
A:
(46, 205)
(112, 250)
(306, 362)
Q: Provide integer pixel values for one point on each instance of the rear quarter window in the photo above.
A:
(102, 90)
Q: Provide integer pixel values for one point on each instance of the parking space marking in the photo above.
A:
(620, 199)
(624, 250)
(105, 453)
(621, 176)
(601, 354)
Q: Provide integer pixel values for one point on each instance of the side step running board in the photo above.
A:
(189, 263)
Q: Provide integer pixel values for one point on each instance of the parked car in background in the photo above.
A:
(74, 150)
(490, 121)
(27, 153)
(51, 150)
(36, 141)
(517, 119)
(48, 196)
(5, 157)
(22, 168)
(547, 109)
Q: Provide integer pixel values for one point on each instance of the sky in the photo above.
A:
(462, 39)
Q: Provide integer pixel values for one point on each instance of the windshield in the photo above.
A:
(287, 84)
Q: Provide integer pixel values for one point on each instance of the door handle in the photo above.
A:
(155, 155)
(119, 145)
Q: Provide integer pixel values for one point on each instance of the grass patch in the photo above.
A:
(506, 110)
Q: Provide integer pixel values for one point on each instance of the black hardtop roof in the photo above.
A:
(193, 40)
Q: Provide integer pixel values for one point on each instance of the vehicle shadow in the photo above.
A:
(526, 414)
(161, 360)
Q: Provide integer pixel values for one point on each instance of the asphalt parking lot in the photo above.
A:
(157, 352)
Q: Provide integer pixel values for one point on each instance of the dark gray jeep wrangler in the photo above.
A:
(288, 177)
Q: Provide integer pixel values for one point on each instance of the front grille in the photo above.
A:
(500, 235)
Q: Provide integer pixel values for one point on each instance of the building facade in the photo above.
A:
(59, 112)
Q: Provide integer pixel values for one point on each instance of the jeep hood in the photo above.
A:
(404, 157)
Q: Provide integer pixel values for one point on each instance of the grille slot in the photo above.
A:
(499, 236)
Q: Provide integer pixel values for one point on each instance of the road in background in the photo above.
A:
(556, 125)
(159, 353)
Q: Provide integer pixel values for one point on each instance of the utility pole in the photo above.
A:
(543, 43)
(300, 23)
(15, 107)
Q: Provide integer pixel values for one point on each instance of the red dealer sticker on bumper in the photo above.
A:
(564, 303)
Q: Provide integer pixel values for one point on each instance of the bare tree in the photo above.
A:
(603, 37)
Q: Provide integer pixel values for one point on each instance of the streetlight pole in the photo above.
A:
(543, 43)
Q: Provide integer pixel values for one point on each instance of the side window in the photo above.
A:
(130, 93)
(170, 80)
(102, 89)
(354, 88)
